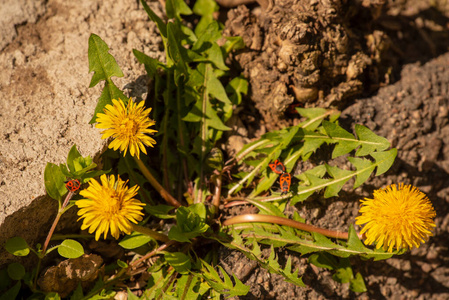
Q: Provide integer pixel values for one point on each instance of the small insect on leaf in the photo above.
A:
(285, 180)
(277, 167)
(73, 185)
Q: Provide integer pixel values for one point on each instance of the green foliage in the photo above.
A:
(54, 181)
(225, 285)
(17, 246)
(161, 211)
(191, 222)
(134, 240)
(193, 98)
(300, 142)
(353, 246)
(179, 261)
(16, 271)
(52, 296)
(12, 292)
(70, 249)
(343, 271)
(76, 167)
(5, 280)
(104, 67)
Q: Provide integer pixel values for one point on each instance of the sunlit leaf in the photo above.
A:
(70, 249)
(371, 141)
(54, 181)
(101, 62)
(134, 240)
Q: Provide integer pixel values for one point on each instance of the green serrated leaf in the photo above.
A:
(153, 17)
(384, 160)
(151, 64)
(357, 284)
(353, 241)
(237, 87)
(316, 184)
(233, 43)
(343, 272)
(346, 142)
(312, 141)
(371, 141)
(101, 62)
(213, 120)
(190, 287)
(364, 169)
(205, 7)
(215, 56)
(215, 88)
(323, 260)
(340, 177)
(195, 114)
(207, 37)
(176, 8)
(324, 241)
(110, 92)
(266, 208)
(265, 184)
(17, 246)
(315, 116)
(177, 53)
(292, 277)
(223, 286)
(70, 249)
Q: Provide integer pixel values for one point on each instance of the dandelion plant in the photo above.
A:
(170, 185)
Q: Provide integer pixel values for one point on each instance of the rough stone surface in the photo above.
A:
(16, 12)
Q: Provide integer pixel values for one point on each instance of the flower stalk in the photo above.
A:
(151, 233)
(163, 192)
(253, 218)
(55, 222)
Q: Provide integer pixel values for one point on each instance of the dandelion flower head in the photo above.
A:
(109, 206)
(398, 217)
(127, 125)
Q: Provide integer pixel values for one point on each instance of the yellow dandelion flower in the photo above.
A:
(398, 217)
(109, 206)
(128, 125)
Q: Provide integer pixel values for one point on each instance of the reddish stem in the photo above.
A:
(55, 222)
(252, 218)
